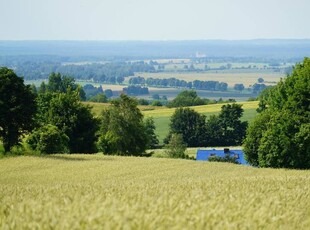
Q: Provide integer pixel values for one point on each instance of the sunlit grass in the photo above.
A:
(100, 192)
(214, 108)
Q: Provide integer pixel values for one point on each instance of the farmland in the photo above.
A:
(230, 78)
(104, 192)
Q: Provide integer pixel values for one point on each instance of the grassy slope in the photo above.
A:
(99, 192)
(162, 115)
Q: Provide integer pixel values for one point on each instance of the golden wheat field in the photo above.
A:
(105, 192)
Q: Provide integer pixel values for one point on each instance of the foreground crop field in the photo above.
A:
(100, 192)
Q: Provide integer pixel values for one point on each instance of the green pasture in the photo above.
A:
(162, 122)
(161, 115)
(109, 192)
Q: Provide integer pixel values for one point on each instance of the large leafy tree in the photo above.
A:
(122, 130)
(226, 129)
(17, 108)
(75, 120)
(279, 136)
(61, 84)
(190, 124)
(233, 128)
(71, 117)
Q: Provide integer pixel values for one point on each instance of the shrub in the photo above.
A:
(48, 139)
(226, 158)
(176, 147)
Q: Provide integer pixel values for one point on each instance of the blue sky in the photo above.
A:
(153, 20)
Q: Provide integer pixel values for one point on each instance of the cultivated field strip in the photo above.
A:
(214, 108)
(103, 192)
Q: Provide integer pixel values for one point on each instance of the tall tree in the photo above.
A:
(17, 108)
(122, 131)
(279, 136)
(190, 124)
(233, 128)
(75, 120)
(71, 117)
(150, 133)
(226, 129)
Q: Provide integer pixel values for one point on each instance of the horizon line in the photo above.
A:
(149, 40)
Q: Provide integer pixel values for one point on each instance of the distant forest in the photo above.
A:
(111, 62)
(259, 50)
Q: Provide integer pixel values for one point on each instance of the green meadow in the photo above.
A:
(161, 115)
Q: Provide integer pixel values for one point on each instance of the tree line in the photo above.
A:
(176, 83)
(110, 72)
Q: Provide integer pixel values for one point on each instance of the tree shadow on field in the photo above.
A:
(64, 158)
(76, 158)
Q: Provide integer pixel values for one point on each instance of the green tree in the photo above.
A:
(283, 139)
(239, 87)
(17, 108)
(260, 80)
(150, 133)
(61, 84)
(43, 87)
(186, 98)
(156, 103)
(214, 131)
(70, 116)
(108, 93)
(55, 83)
(190, 124)
(176, 146)
(75, 120)
(233, 128)
(122, 131)
(100, 97)
(142, 101)
(226, 129)
(254, 134)
(49, 139)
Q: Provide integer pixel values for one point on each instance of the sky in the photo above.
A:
(154, 19)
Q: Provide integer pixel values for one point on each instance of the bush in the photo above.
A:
(176, 147)
(156, 103)
(48, 139)
(227, 159)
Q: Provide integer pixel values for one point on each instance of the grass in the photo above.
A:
(100, 192)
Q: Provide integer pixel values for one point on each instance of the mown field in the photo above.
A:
(161, 115)
(104, 192)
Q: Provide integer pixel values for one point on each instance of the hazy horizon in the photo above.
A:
(161, 20)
